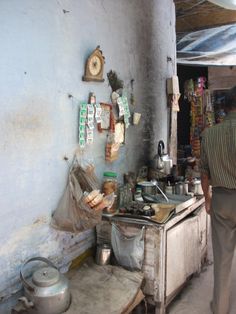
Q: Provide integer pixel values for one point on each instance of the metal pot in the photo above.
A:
(103, 254)
(179, 188)
(47, 290)
(148, 187)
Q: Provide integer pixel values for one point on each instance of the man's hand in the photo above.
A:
(208, 205)
(206, 191)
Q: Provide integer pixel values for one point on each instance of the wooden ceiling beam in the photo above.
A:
(193, 15)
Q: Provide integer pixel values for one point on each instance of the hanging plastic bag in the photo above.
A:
(75, 211)
(128, 250)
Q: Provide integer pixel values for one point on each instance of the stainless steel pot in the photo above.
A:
(47, 290)
(148, 187)
(179, 188)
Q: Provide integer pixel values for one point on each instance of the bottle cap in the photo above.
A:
(110, 174)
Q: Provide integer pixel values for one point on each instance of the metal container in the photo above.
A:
(47, 290)
(185, 187)
(169, 189)
(197, 187)
(148, 187)
(179, 188)
(103, 254)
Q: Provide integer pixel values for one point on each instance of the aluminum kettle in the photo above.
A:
(47, 290)
(158, 162)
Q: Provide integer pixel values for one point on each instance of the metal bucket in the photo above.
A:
(103, 254)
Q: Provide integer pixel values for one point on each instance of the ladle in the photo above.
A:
(155, 183)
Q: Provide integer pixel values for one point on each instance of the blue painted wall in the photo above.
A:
(44, 45)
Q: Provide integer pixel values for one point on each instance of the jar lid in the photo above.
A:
(110, 174)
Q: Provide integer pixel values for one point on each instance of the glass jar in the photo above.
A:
(110, 186)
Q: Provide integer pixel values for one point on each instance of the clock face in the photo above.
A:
(95, 65)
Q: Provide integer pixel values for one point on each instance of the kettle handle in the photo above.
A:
(160, 148)
(42, 259)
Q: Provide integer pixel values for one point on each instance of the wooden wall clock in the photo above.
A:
(94, 66)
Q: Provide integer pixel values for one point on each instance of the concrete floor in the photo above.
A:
(196, 296)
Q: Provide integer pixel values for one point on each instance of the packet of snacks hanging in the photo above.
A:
(112, 148)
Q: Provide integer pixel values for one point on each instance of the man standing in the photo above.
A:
(218, 170)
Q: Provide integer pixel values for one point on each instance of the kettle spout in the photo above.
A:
(28, 304)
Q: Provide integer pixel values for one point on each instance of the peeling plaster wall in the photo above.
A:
(44, 45)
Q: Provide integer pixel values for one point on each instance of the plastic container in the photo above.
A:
(110, 186)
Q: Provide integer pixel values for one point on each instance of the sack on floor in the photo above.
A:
(128, 250)
(73, 214)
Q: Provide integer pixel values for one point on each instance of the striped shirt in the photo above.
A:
(218, 153)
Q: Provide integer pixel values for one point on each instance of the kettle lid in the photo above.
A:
(46, 276)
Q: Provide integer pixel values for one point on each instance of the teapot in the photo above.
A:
(47, 290)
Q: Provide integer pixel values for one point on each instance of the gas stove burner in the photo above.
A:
(148, 211)
(140, 209)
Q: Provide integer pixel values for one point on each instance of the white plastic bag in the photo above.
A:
(128, 250)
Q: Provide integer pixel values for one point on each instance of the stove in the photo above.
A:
(138, 209)
(144, 211)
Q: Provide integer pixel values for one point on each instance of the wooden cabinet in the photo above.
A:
(173, 251)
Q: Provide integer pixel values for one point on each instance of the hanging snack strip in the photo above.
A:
(98, 112)
(90, 124)
(87, 113)
(82, 123)
(124, 109)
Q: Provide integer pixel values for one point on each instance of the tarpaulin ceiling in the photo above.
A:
(214, 46)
